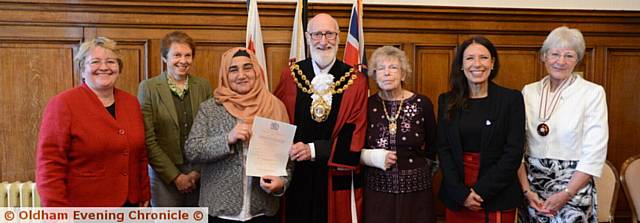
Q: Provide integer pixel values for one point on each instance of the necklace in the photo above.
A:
(320, 109)
(393, 126)
(544, 116)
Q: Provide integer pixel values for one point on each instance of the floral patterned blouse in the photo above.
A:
(415, 135)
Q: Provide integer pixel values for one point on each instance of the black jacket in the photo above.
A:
(501, 152)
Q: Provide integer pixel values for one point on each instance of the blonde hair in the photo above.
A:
(564, 37)
(85, 49)
(389, 52)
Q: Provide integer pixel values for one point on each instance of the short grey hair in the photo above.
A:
(564, 37)
(389, 52)
(85, 49)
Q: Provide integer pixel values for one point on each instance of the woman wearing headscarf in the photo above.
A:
(92, 137)
(480, 138)
(567, 134)
(219, 140)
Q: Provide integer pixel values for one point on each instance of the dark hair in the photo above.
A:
(459, 91)
(241, 53)
(176, 37)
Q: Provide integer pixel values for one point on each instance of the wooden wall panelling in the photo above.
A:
(134, 57)
(623, 80)
(33, 72)
(207, 61)
(433, 65)
(428, 35)
(277, 56)
(518, 66)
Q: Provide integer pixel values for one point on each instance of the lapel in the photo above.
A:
(99, 109)
(166, 99)
(194, 95)
(490, 120)
(454, 134)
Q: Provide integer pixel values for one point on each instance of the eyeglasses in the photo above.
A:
(393, 68)
(555, 56)
(110, 62)
(318, 35)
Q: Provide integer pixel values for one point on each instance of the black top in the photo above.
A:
(472, 119)
(112, 109)
(501, 149)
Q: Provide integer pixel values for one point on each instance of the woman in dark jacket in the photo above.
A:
(480, 138)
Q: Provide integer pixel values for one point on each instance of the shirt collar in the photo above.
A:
(326, 70)
(175, 89)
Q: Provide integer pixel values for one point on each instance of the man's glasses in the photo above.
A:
(318, 35)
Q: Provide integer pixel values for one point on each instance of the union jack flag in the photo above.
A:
(354, 47)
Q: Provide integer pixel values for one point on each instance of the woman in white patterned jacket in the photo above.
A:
(567, 134)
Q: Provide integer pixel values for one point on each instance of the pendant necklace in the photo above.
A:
(393, 126)
(544, 114)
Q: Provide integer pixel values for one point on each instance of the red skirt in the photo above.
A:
(471, 168)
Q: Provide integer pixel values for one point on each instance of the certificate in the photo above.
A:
(269, 147)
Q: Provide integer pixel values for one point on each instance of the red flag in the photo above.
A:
(254, 38)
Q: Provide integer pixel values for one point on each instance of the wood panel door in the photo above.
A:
(32, 72)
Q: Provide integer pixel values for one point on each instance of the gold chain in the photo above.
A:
(393, 124)
(395, 117)
(332, 89)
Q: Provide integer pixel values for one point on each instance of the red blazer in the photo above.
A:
(85, 157)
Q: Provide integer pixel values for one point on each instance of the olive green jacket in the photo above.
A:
(161, 121)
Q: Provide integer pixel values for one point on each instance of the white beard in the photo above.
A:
(323, 58)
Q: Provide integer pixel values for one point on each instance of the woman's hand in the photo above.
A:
(144, 204)
(556, 201)
(473, 201)
(536, 203)
(271, 184)
(390, 160)
(184, 184)
(241, 131)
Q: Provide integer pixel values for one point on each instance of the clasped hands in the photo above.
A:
(473, 201)
(551, 206)
(187, 182)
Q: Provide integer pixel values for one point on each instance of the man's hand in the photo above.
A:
(300, 152)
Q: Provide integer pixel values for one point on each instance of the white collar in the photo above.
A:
(326, 70)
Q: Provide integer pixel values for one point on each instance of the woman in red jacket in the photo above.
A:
(92, 138)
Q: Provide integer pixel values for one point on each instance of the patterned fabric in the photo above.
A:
(175, 89)
(550, 176)
(207, 144)
(412, 171)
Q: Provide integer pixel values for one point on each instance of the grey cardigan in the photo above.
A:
(223, 170)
